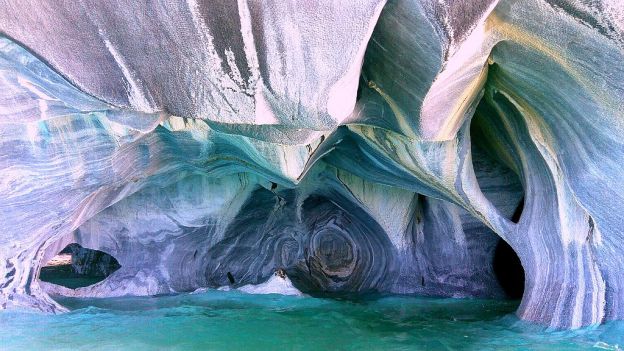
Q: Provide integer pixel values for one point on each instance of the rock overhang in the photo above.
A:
(113, 114)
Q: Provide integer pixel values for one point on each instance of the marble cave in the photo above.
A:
(433, 148)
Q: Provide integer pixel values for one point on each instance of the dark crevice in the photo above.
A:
(231, 278)
(77, 267)
(508, 270)
(518, 212)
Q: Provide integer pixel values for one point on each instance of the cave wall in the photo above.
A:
(360, 146)
(332, 234)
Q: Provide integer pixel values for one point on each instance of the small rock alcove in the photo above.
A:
(506, 263)
(77, 267)
(508, 270)
(497, 172)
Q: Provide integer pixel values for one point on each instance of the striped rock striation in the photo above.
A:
(360, 146)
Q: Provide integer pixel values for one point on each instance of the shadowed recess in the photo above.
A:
(77, 267)
(508, 270)
(494, 164)
(345, 251)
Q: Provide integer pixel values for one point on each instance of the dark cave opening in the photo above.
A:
(77, 267)
(508, 270)
(518, 212)
(498, 172)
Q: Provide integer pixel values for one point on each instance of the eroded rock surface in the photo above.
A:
(360, 146)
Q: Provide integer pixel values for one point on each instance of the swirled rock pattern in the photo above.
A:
(357, 145)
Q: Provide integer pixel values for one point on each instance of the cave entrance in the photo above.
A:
(77, 267)
(498, 171)
(508, 270)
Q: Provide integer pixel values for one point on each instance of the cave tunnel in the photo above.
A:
(506, 263)
(497, 168)
(508, 270)
(76, 267)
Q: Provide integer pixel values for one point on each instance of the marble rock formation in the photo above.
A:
(360, 146)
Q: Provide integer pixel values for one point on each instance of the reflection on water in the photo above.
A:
(217, 320)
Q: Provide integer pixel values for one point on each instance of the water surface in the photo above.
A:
(217, 320)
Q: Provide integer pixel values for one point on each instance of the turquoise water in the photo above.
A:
(234, 321)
